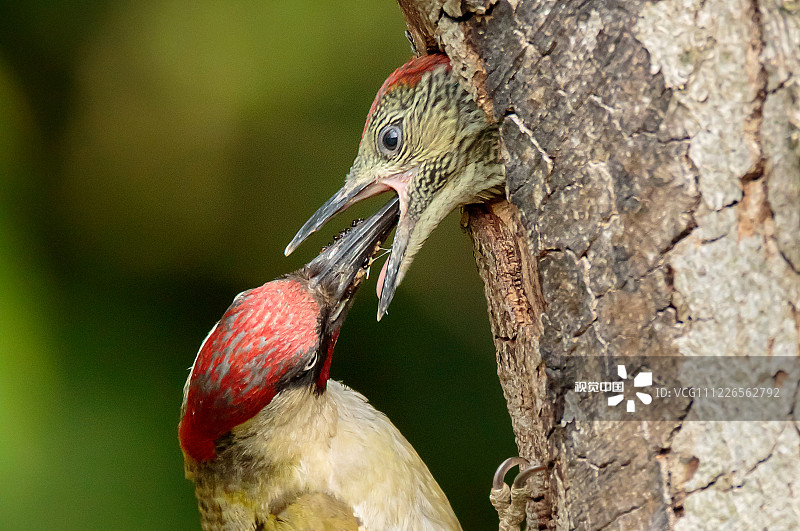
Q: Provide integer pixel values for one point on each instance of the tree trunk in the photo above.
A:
(652, 156)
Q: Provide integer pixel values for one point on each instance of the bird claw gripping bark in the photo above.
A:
(511, 502)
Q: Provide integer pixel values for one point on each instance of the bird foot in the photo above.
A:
(510, 502)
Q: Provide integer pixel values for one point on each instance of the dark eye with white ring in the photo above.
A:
(390, 139)
(311, 363)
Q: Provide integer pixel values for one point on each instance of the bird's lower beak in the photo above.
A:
(340, 268)
(391, 273)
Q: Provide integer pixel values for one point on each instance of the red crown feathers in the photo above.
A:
(261, 336)
(408, 75)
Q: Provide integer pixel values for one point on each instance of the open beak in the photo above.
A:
(341, 267)
(346, 196)
(354, 190)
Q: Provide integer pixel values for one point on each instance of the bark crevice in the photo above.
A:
(647, 183)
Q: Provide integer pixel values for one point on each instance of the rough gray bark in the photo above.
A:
(653, 161)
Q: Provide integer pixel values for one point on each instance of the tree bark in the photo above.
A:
(652, 155)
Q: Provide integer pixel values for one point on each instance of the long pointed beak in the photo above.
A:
(346, 196)
(391, 274)
(340, 268)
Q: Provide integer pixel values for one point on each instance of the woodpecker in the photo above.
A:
(426, 138)
(270, 442)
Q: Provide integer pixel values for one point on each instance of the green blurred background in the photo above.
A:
(155, 159)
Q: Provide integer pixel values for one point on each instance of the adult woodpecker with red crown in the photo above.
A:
(426, 138)
(270, 442)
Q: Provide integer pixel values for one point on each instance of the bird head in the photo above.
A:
(419, 140)
(277, 336)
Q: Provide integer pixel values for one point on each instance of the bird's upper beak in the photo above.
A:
(355, 189)
(339, 269)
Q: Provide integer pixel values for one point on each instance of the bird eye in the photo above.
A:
(390, 138)
(311, 363)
